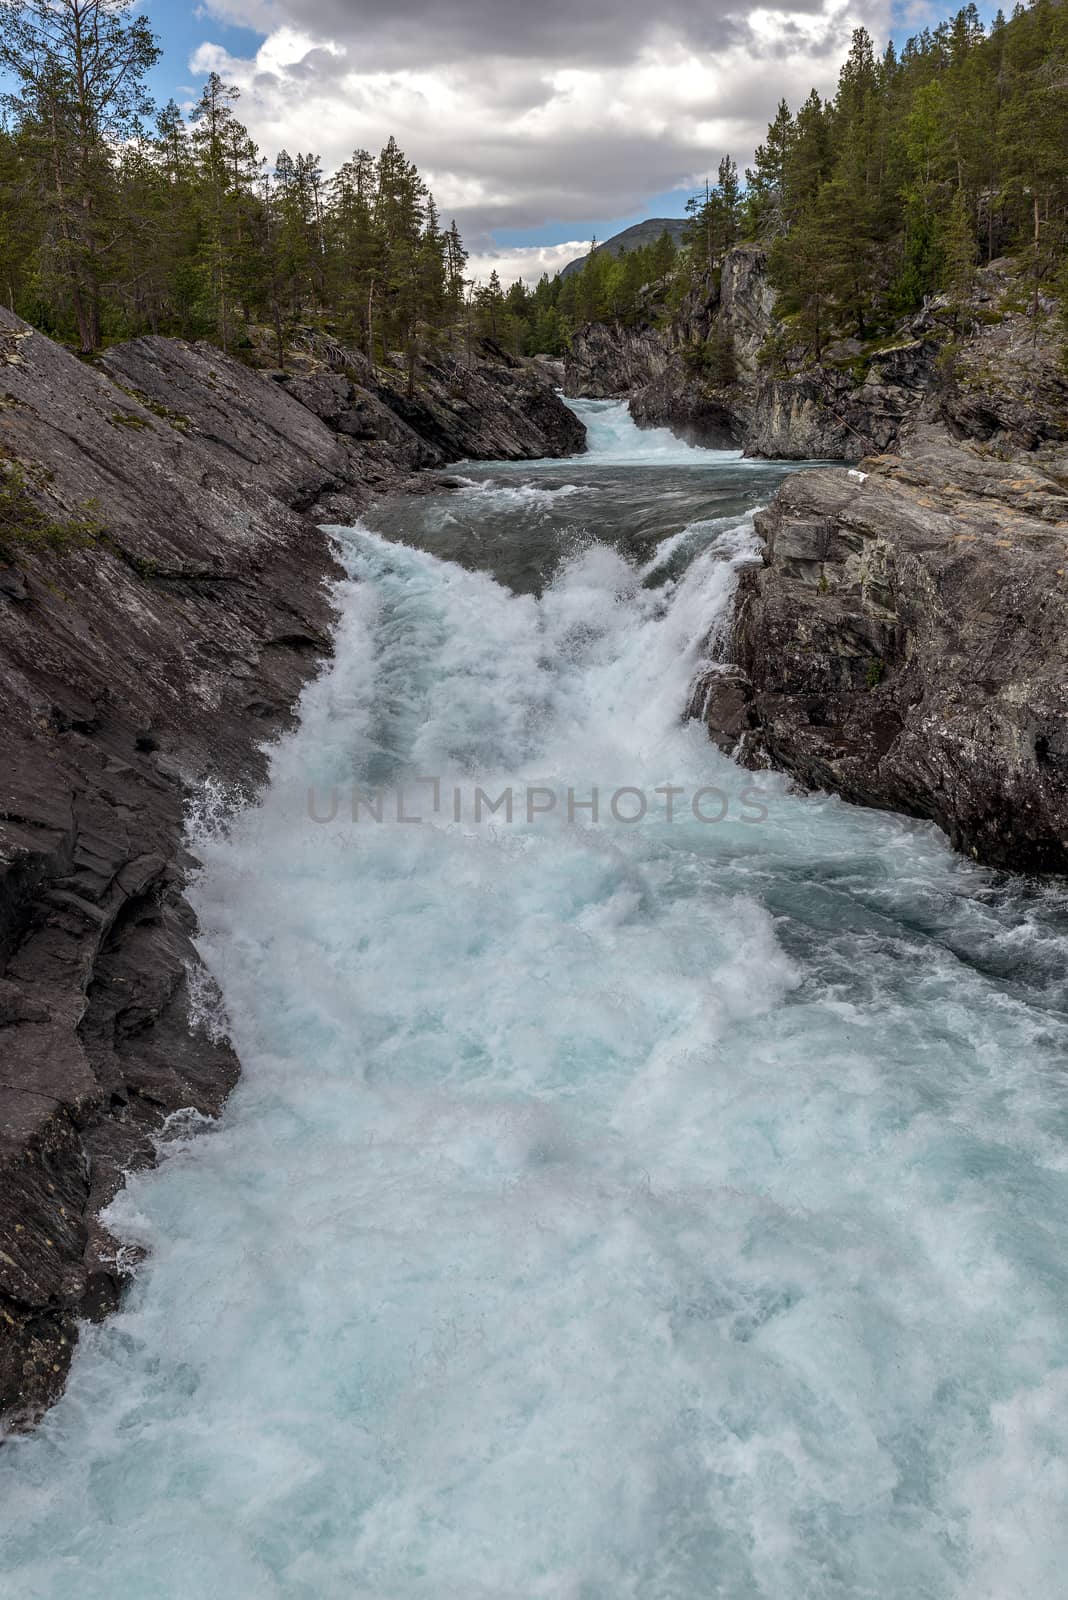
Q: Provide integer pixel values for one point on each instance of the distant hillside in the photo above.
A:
(642, 233)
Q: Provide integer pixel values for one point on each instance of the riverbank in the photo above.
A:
(904, 644)
(163, 600)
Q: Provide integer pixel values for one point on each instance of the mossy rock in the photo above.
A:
(129, 419)
(26, 529)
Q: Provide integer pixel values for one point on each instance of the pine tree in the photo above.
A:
(715, 220)
(662, 258)
(19, 222)
(958, 252)
(766, 180)
(79, 69)
(808, 161)
(489, 302)
(800, 268)
(729, 204)
(700, 233)
(353, 262)
(431, 291)
(216, 131)
(589, 284)
(455, 267)
(400, 202)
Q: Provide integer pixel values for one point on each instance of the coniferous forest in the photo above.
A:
(925, 164)
(118, 217)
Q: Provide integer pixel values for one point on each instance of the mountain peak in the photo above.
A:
(632, 238)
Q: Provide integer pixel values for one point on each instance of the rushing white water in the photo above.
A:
(612, 437)
(659, 1211)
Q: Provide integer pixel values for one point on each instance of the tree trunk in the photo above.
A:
(86, 319)
(279, 341)
(1038, 274)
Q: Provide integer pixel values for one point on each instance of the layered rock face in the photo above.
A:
(608, 362)
(835, 411)
(822, 414)
(987, 377)
(688, 404)
(905, 644)
(160, 651)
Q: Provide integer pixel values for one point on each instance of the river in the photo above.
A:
(656, 1206)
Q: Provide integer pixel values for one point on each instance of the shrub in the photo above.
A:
(25, 527)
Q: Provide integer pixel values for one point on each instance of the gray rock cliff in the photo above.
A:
(161, 647)
(609, 362)
(905, 644)
(985, 374)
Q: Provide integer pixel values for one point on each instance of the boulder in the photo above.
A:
(905, 644)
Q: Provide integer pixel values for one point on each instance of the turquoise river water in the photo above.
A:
(610, 1209)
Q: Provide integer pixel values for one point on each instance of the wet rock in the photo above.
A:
(498, 408)
(553, 369)
(694, 411)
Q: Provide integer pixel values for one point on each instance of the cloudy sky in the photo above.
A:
(536, 122)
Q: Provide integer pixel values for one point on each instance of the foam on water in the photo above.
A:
(606, 1211)
(613, 438)
(506, 496)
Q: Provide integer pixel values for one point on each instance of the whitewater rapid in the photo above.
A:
(658, 1210)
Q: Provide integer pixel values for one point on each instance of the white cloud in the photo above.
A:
(528, 262)
(521, 117)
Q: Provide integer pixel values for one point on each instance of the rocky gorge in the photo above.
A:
(163, 599)
(722, 369)
(904, 641)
